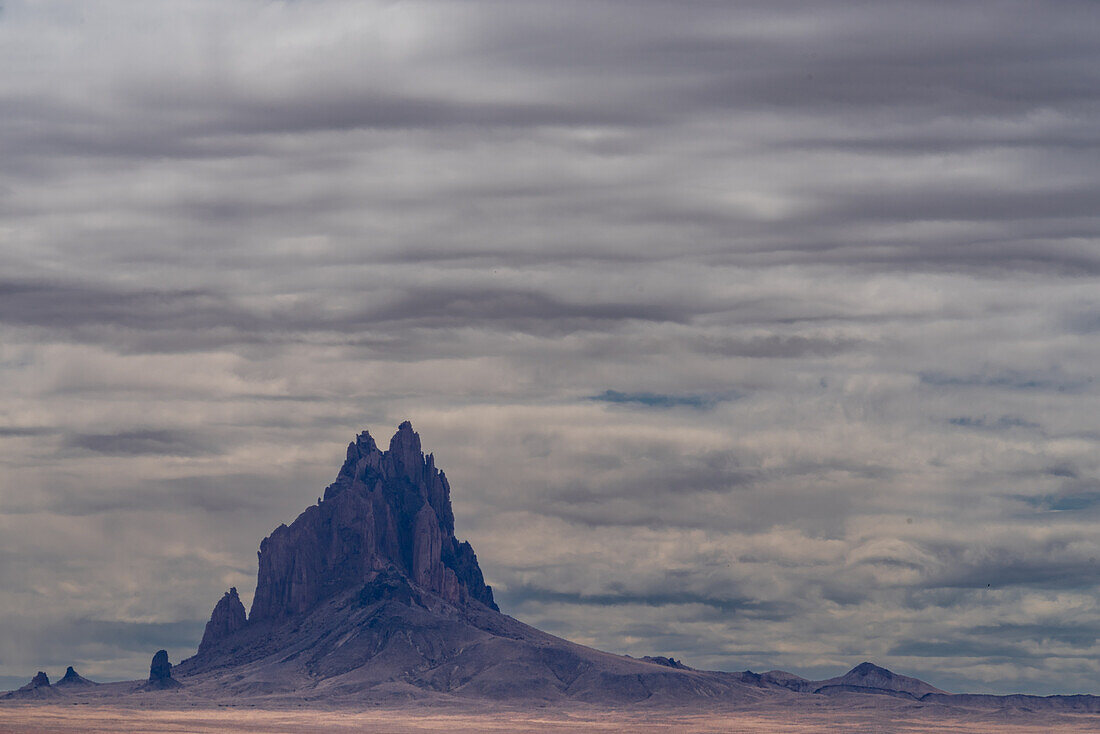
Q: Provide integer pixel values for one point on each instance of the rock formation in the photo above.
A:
(369, 593)
(667, 662)
(160, 673)
(388, 511)
(72, 678)
(227, 618)
(39, 687)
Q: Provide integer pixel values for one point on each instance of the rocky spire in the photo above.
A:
(227, 618)
(40, 680)
(388, 512)
(72, 678)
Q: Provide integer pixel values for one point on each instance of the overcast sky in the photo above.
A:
(763, 335)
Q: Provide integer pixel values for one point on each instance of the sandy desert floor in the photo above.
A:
(90, 719)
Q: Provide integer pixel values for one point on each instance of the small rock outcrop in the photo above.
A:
(72, 678)
(388, 512)
(667, 662)
(39, 687)
(160, 673)
(789, 680)
(228, 617)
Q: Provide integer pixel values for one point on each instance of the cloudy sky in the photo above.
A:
(756, 335)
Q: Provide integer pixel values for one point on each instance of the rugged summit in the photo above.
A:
(388, 512)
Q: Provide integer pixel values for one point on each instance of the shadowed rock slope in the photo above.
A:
(370, 594)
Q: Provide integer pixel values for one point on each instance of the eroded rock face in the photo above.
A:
(228, 617)
(40, 680)
(387, 512)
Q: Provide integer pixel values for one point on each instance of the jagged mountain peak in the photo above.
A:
(405, 439)
(387, 511)
(369, 589)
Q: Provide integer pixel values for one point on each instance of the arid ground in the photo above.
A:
(89, 719)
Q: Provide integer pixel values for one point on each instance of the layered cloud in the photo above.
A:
(767, 327)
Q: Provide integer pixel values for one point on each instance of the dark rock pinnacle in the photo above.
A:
(227, 618)
(160, 673)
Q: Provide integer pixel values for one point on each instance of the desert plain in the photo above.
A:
(874, 717)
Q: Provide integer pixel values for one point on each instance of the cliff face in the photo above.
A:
(388, 512)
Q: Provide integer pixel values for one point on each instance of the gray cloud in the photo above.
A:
(1000, 423)
(660, 401)
(24, 431)
(143, 442)
(1010, 379)
(146, 320)
(781, 312)
(745, 606)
